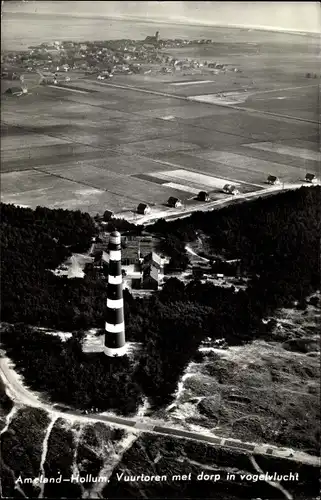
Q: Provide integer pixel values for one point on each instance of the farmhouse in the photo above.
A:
(310, 178)
(203, 196)
(143, 209)
(273, 180)
(230, 189)
(174, 202)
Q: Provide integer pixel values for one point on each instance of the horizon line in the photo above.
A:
(174, 22)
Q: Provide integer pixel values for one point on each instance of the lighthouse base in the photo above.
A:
(116, 351)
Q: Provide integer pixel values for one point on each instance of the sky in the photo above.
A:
(294, 16)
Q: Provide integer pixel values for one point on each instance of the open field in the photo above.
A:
(42, 152)
(266, 389)
(98, 145)
(303, 154)
(250, 164)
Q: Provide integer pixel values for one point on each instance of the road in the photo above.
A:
(153, 217)
(191, 251)
(24, 397)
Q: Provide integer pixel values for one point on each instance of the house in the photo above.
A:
(230, 189)
(143, 209)
(310, 178)
(150, 278)
(108, 214)
(203, 196)
(174, 202)
(157, 261)
(101, 262)
(273, 180)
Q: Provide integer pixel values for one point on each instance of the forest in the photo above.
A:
(33, 242)
(276, 238)
(66, 374)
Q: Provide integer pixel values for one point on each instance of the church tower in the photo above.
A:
(115, 344)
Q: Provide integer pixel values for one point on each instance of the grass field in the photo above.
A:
(192, 179)
(109, 147)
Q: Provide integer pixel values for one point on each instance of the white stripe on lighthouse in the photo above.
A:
(115, 280)
(117, 351)
(115, 239)
(115, 255)
(115, 303)
(110, 328)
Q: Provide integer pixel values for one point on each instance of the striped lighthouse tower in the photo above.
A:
(115, 344)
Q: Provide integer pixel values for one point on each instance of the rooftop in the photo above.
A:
(138, 245)
(310, 176)
(151, 271)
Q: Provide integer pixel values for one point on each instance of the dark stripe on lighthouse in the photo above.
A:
(114, 292)
(114, 268)
(114, 246)
(115, 339)
(115, 316)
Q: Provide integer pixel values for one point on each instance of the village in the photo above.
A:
(145, 267)
(106, 58)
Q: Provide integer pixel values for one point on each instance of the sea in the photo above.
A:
(21, 30)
